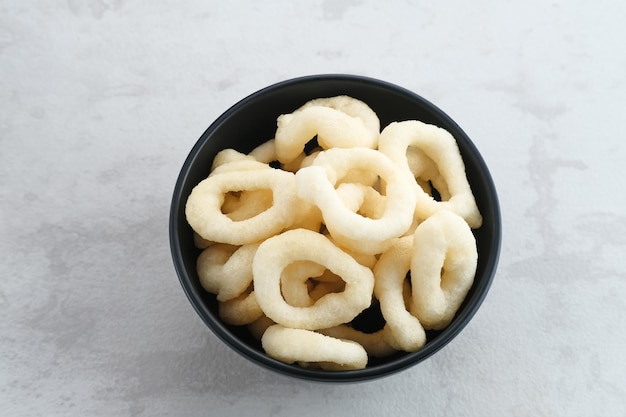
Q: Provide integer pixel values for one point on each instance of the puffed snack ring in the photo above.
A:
(339, 121)
(278, 252)
(308, 347)
(440, 146)
(443, 266)
(204, 206)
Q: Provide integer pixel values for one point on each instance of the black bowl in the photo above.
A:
(251, 122)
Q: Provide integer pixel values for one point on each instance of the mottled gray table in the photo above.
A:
(101, 100)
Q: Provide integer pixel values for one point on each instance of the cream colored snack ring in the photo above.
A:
(390, 273)
(336, 121)
(441, 147)
(298, 345)
(443, 266)
(276, 253)
(204, 213)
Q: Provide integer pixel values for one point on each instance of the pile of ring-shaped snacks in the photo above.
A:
(311, 228)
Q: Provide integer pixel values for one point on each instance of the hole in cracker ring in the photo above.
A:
(304, 346)
(226, 270)
(351, 196)
(362, 199)
(315, 184)
(249, 204)
(339, 121)
(405, 331)
(242, 205)
(295, 282)
(204, 214)
(304, 282)
(443, 266)
(426, 174)
(441, 147)
(325, 284)
(276, 253)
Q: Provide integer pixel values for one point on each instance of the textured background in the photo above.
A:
(101, 100)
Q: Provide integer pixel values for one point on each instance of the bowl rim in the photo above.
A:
(222, 331)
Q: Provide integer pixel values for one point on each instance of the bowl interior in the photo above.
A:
(251, 122)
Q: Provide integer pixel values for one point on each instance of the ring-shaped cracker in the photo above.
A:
(441, 147)
(339, 121)
(308, 347)
(276, 253)
(443, 266)
(405, 331)
(204, 206)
